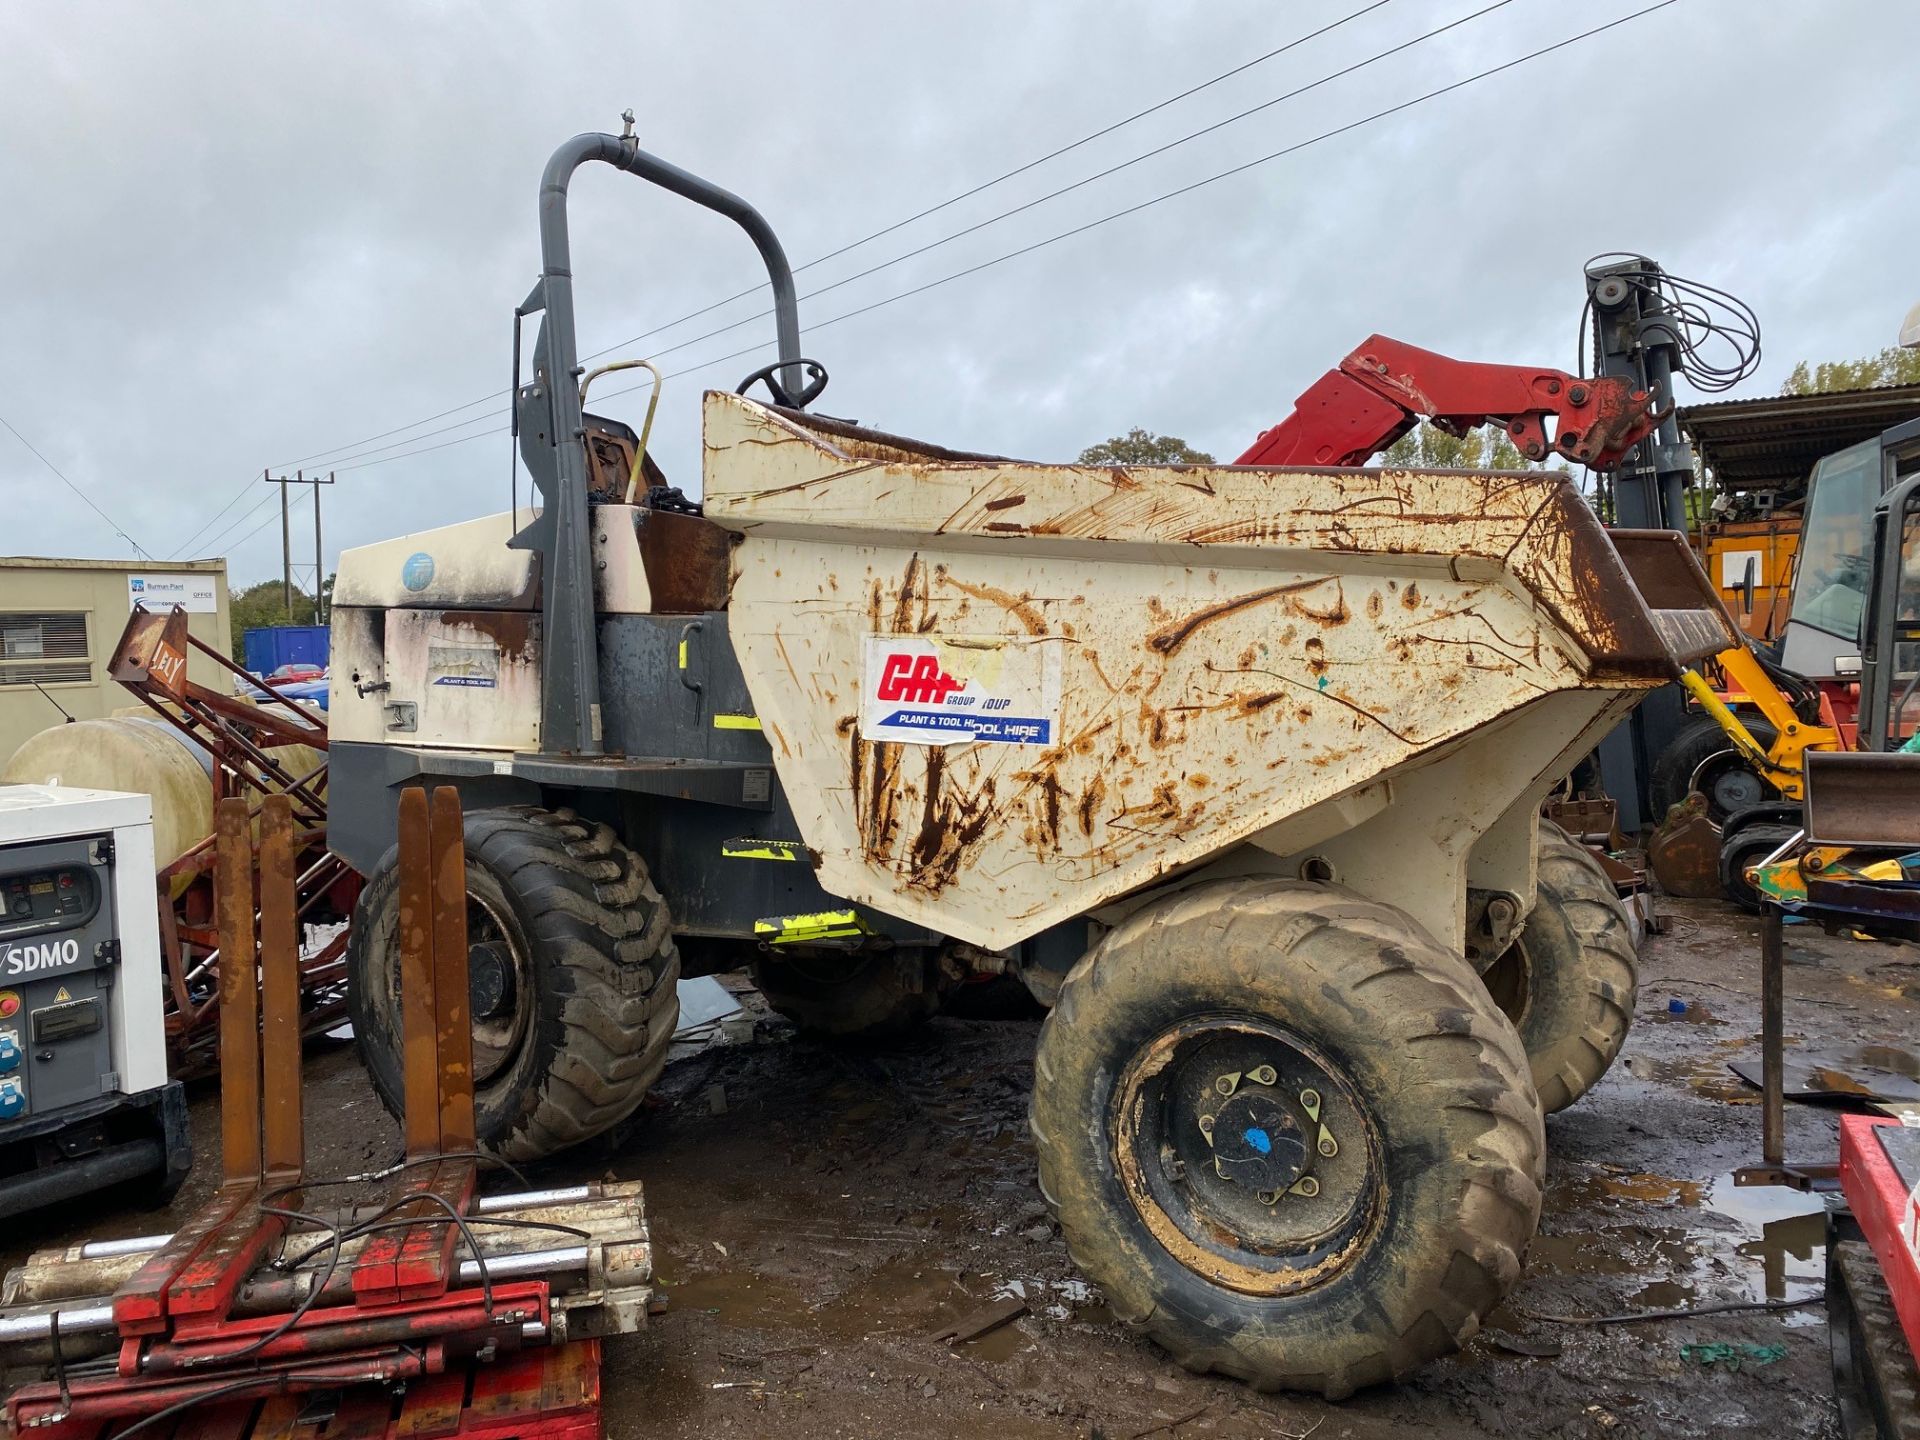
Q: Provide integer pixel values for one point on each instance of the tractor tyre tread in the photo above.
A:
(1574, 1038)
(1425, 1046)
(605, 976)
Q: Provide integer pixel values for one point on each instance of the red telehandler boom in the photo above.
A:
(1386, 386)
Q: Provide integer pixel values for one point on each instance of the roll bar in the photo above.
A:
(548, 421)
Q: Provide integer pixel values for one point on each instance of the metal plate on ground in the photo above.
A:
(1861, 1072)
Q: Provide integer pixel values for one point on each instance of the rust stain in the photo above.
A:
(1089, 806)
(1169, 640)
(949, 826)
(1373, 605)
(1335, 614)
(1410, 597)
(1006, 502)
(1050, 809)
(903, 607)
(511, 631)
(1254, 704)
(1021, 607)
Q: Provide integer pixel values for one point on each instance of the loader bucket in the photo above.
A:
(1001, 695)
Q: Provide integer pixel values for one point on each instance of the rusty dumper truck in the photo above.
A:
(1239, 768)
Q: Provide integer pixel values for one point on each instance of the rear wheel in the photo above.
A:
(572, 979)
(1701, 757)
(1569, 982)
(1288, 1135)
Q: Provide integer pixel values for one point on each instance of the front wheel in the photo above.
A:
(1288, 1135)
(572, 979)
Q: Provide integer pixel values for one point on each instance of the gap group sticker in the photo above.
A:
(952, 689)
(470, 667)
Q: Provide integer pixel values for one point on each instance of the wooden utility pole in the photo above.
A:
(286, 540)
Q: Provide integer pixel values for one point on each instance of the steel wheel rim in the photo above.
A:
(1247, 1154)
(1509, 982)
(497, 1039)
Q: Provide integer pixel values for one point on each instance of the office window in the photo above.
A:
(44, 648)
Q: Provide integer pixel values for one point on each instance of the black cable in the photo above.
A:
(59, 1362)
(180, 1407)
(1062, 190)
(178, 549)
(1104, 219)
(86, 498)
(503, 1221)
(952, 200)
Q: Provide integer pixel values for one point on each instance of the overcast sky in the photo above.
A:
(251, 235)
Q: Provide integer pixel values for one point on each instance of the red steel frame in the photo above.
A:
(242, 738)
(403, 1318)
(1888, 1214)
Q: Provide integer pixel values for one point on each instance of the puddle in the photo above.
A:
(1774, 1247)
(1684, 1012)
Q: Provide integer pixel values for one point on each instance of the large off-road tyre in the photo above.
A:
(1324, 1040)
(877, 995)
(574, 976)
(1569, 982)
(1744, 848)
(1729, 782)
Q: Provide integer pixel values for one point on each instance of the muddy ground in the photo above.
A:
(820, 1214)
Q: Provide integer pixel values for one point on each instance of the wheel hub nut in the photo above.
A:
(491, 990)
(1258, 1142)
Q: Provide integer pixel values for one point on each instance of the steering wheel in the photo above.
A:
(769, 375)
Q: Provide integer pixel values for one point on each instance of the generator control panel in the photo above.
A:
(54, 899)
(58, 962)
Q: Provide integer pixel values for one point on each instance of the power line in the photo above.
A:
(1185, 189)
(218, 538)
(342, 461)
(74, 488)
(1067, 189)
(1017, 170)
(1122, 213)
(237, 496)
(950, 201)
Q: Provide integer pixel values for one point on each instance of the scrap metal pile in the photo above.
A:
(425, 1309)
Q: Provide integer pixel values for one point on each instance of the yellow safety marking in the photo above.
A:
(736, 722)
(748, 848)
(683, 654)
(820, 925)
(61, 995)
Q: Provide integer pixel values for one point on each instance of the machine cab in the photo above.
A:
(1890, 636)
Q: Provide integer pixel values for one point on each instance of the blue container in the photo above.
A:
(271, 646)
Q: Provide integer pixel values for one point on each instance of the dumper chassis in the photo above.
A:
(1238, 767)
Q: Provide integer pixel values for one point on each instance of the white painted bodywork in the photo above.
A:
(462, 648)
(1257, 668)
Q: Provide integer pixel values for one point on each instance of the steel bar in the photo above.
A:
(1772, 1038)
(239, 998)
(420, 1070)
(453, 1027)
(285, 1145)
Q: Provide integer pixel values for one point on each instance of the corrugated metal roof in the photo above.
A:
(1772, 442)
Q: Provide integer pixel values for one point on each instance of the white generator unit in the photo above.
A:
(85, 1101)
